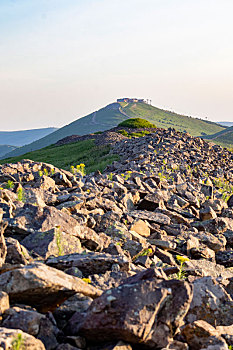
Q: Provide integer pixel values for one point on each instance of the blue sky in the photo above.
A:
(62, 59)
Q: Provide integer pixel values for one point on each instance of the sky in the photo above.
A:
(63, 59)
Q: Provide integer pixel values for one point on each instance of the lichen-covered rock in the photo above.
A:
(143, 309)
(53, 242)
(210, 303)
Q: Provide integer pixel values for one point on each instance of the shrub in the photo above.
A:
(137, 123)
(10, 184)
(123, 132)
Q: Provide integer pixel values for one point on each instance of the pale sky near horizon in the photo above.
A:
(63, 59)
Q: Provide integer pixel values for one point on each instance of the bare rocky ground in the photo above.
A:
(139, 257)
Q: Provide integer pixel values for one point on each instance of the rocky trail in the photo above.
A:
(139, 257)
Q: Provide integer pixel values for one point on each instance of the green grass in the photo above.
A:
(94, 157)
(166, 119)
(136, 123)
(135, 134)
(223, 138)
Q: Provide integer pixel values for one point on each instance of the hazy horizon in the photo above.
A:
(63, 60)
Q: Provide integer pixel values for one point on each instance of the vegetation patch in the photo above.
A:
(137, 123)
(133, 134)
(81, 152)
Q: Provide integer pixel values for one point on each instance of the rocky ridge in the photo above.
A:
(140, 257)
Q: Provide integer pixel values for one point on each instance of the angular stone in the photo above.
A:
(31, 218)
(154, 217)
(42, 286)
(15, 337)
(225, 258)
(201, 334)
(4, 302)
(210, 303)
(141, 227)
(16, 253)
(135, 311)
(89, 263)
(53, 242)
(153, 201)
(28, 320)
(207, 213)
(204, 268)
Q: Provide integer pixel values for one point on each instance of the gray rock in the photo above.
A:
(15, 337)
(89, 263)
(210, 303)
(53, 242)
(42, 286)
(140, 310)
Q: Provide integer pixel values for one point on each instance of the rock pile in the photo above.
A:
(140, 257)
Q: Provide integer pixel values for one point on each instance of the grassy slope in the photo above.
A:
(104, 119)
(166, 119)
(94, 157)
(110, 116)
(5, 149)
(223, 138)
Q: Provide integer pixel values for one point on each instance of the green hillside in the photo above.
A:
(166, 119)
(4, 149)
(223, 138)
(94, 157)
(111, 115)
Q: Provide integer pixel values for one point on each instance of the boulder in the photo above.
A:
(42, 286)
(53, 242)
(158, 218)
(89, 263)
(144, 309)
(31, 218)
(16, 253)
(200, 335)
(15, 338)
(210, 303)
(28, 320)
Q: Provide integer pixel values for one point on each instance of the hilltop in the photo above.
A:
(114, 113)
(139, 256)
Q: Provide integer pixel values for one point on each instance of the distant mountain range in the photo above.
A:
(11, 140)
(114, 113)
(226, 123)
